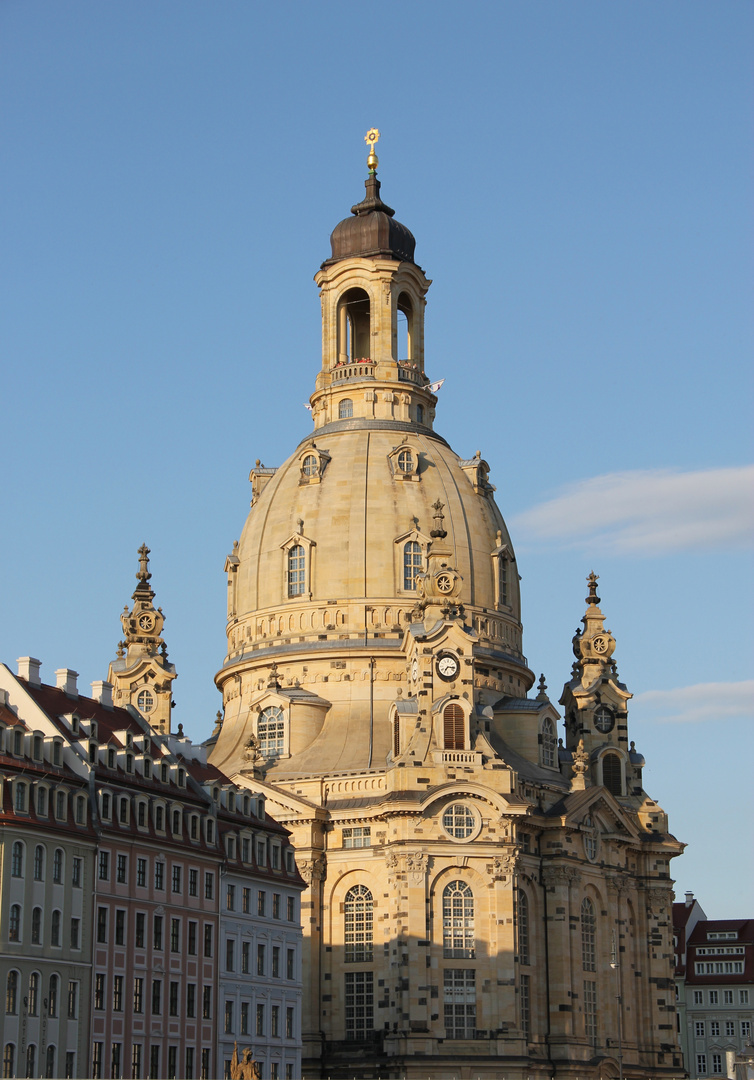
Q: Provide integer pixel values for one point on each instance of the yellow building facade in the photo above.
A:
(484, 899)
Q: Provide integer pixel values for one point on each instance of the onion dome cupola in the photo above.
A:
(373, 296)
(140, 674)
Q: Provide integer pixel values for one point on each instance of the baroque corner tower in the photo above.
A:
(375, 690)
(141, 675)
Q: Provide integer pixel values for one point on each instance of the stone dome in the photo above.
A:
(372, 231)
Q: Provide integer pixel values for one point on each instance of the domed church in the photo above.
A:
(484, 898)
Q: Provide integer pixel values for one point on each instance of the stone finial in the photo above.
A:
(580, 767)
(592, 580)
(143, 571)
(439, 520)
(120, 652)
(542, 687)
(180, 731)
(300, 526)
(273, 682)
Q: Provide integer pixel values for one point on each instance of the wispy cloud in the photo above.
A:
(695, 704)
(647, 512)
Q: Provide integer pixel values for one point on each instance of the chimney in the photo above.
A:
(103, 693)
(689, 899)
(28, 668)
(66, 681)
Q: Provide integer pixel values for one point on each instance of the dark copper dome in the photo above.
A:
(372, 231)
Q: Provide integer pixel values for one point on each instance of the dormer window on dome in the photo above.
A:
(313, 465)
(404, 463)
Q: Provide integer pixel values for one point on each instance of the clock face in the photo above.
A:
(146, 621)
(604, 720)
(448, 666)
(599, 644)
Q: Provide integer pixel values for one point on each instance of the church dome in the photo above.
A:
(372, 231)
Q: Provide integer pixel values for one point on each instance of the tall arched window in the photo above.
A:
(55, 928)
(14, 923)
(458, 921)
(523, 928)
(21, 797)
(412, 563)
(271, 732)
(502, 580)
(359, 916)
(454, 727)
(17, 860)
(50, 1061)
(52, 996)
(296, 570)
(31, 1060)
(39, 863)
(611, 774)
(549, 743)
(9, 1060)
(33, 993)
(345, 409)
(588, 935)
(57, 866)
(36, 926)
(396, 735)
(11, 993)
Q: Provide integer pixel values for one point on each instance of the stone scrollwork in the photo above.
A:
(560, 875)
(502, 866)
(313, 869)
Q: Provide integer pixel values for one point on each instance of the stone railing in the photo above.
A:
(357, 369)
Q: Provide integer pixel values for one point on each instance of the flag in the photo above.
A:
(307, 407)
(435, 386)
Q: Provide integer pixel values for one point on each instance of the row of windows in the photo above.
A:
(276, 1015)
(161, 928)
(726, 999)
(195, 997)
(18, 861)
(152, 1060)
(719, 967)
(36, 934)
(105, 866)
(50, 1067)
(275, 908)
(46, 801)
(275, 953)
(717, 1062)
(32, 997)
(12, 742)
(717, 1028)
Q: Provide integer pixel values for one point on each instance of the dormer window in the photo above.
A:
(110, 758)
(93, 729)
(271, 732)
(129, 739)
(210, 831)
(18, 743)
(296, 573)
(37, 748)
(129, 763)
(21, 796)
(147, 768)
(549, 743)
(159, 818)
(81, 810)
(231, 802)
(310, 466)
(106, 806)
(404, 463)
(181, 778)
(93, 748)
(75, 725)
(164, 773)
(57, 753)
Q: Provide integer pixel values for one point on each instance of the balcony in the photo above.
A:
(410, 374)
(355, 369)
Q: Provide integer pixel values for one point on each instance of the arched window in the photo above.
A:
(523, 928)
(33, 994)
(60, 805)
(310, 465)
(420, 414)
(17, 860)
(81, 810)
(14, 923)
(549, 743)
(588, 934)
(55, 928)
(458, 921)
(412, 563)
(405, 327)
(396, 735)
(41, 802)
(406, 461)
(36, 926)
(39, 863)
(57, 866)
(31, 1060)
(345, 409)
(359, 916)
(159, 818)
(590, 839)
(354, 326)
(50, 1061)
(123, 811)
(454, 727)
(21, 797)
(611, 774)
(11, 993)
(502, 580)
(9, 1060)
(271, 731)
(52, 996)
(296, 570)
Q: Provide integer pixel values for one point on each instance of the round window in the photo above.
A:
(145, 701)
(459, 821)
(604, 719)
(310, 465)
(405, 461)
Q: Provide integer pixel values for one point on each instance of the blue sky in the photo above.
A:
(578, 178)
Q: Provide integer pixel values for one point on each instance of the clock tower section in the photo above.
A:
(140, 674)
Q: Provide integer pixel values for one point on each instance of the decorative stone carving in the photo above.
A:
(313, 870)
